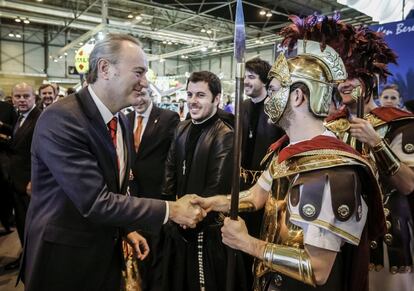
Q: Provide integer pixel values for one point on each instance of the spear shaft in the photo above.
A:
(239, 49)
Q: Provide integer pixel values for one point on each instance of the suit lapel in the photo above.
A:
(21, 132)
(150, 128)
(127, 137)
(109, 162)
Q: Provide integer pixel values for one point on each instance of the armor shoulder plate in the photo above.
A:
(313, 185)
(345, 192)
(345, 189)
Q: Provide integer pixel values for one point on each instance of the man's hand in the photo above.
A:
(186, 213)
(139, 244)
(236, 236)
(363, 130)
(218, 203)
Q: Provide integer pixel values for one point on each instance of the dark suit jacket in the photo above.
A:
(266, 134)
(149, 162)
(8, 116)
(20, 160)
(77, 206)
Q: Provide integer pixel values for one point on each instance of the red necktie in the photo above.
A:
(112, 125)
(137, 133)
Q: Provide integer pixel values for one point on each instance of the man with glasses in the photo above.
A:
(153, 130)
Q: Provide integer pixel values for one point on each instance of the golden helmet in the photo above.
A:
(319, 71)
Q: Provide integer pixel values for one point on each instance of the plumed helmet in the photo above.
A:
(319, 70)
(364, 52)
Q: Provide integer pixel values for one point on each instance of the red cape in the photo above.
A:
(320, 142)
(389, 114)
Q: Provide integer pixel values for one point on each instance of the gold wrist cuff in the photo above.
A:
(387, 161)
(244, 206)
(289, 261)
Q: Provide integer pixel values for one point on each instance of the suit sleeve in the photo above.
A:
(62, 143)
(220, 165)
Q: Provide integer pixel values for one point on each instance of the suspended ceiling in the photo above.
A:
(168, 28)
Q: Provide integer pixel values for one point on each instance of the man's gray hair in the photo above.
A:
(109, 48)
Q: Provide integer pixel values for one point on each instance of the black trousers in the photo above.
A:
(21, 204)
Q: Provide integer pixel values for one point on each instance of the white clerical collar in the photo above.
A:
(103, 110)
(258, 99)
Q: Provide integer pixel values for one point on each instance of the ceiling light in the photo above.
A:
(164, 42)
(262, 12)
(101, 35)
(18, 19)
(138, 17)
(130, 16)
(203, 49)
(162, 60)
(169, 42)
(55, 60)
(184, 57)
(39, 0)
(65, 53)
(262, 42)
(81, 43)
(60, 57)
(269, 14)
(18, 35)
(11, 34)
(214, 50)
(218, 51)
(209, 31)
(26, 21)
(257, 41)
(203, 30)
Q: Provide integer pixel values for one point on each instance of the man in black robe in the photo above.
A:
(199, 161)
(258, 135)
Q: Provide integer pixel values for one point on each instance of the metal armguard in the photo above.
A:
(244, 206)
(289, 261)
(387, 161)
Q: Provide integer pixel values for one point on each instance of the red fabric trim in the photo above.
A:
(319, 142)
(389, 114)
(343, 113)
(277, 144)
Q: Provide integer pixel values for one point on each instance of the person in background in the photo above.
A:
(390, 96)
(153, 129)
(20, 155)
(47, 94)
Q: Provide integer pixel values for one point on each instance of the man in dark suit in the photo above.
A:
(81, 156)
(258, 135)
(153, 130)
(8, 117)
(19, 156)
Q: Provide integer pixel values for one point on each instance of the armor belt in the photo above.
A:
(397, 238)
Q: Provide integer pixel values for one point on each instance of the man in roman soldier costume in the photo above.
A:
(387, 134)
(314, 234)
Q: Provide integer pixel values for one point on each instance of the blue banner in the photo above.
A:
(400, 37)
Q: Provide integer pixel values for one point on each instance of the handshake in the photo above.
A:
(191, 208)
